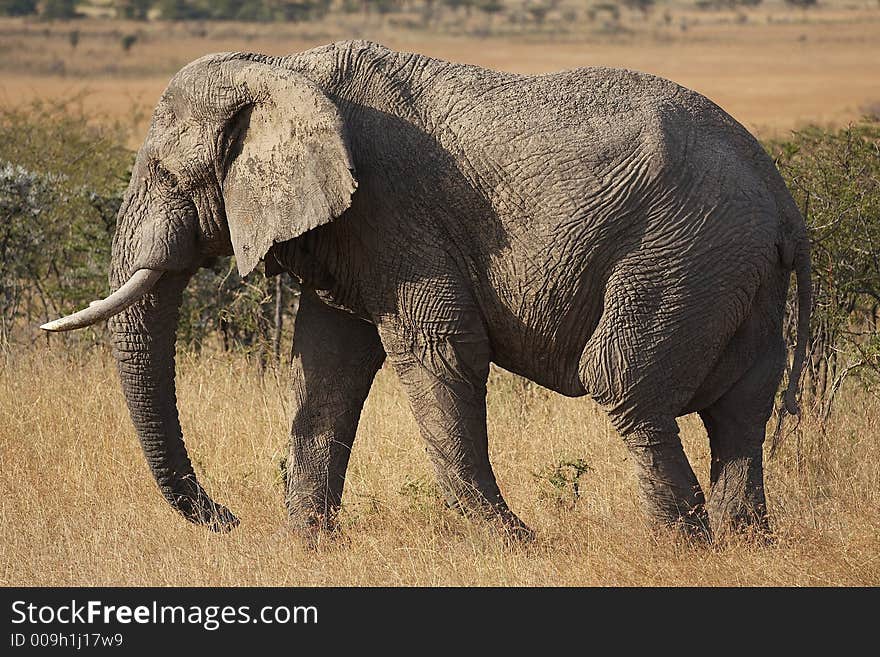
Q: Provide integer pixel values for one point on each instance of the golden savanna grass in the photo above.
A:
(78, 506)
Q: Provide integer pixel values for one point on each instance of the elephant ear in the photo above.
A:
(288, 168)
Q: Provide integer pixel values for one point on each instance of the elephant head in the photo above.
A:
(240, 154)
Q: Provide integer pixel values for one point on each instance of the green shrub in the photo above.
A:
(18, 7)
(835, 179)
(62, 178)
(58, 9)
(61, 186)
(133, 9)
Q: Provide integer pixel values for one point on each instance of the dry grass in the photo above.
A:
(78, 506)
(817, 66)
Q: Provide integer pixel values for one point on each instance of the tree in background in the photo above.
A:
(726, 4)
(304, 10)
(18, 7)
(490, 7)
(58, 9)
(608, 10)
(244, 10)
(539, 10)
(230, 9)
(178, 10)
(456, 5)
(133, 9)
(427, 11)
(643, 6)
(386, 6)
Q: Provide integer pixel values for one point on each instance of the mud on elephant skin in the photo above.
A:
(601, 232)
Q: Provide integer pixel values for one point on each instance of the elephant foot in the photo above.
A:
(311, 538)
(757, 535)
(497, 517)
(514, 530)
(744, 520)
(200, 509)
(694, 527)
(687, 519)
(222, 520)
(314, 539)
(740, 520)
(313, 521)
(315, 531)
(510, 529)
(490, 510)
(692, 524)
(736, 503)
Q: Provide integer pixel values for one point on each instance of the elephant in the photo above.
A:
(601, 232)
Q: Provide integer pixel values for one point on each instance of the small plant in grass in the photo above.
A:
(281, 475)
(421, 494)
(561, 481)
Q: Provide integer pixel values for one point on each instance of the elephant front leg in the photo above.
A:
(445, 379)
(335, 358)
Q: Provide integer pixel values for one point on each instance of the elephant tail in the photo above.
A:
(801, 267)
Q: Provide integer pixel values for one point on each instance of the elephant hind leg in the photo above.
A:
(669, 490)
(736, 425)
(640, 367)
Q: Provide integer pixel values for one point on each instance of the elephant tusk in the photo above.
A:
(132, 290)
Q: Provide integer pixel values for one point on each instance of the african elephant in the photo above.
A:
(600, 232)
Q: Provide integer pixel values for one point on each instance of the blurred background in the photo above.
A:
(773, 64)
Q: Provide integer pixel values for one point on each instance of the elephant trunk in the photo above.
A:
(144, 347)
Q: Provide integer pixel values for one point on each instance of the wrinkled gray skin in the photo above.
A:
(601, 232)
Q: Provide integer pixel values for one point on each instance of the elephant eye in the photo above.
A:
(164, 176)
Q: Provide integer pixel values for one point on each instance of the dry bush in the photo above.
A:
(78, 505)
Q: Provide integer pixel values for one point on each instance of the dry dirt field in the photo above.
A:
(78, 507)
(778, 70)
